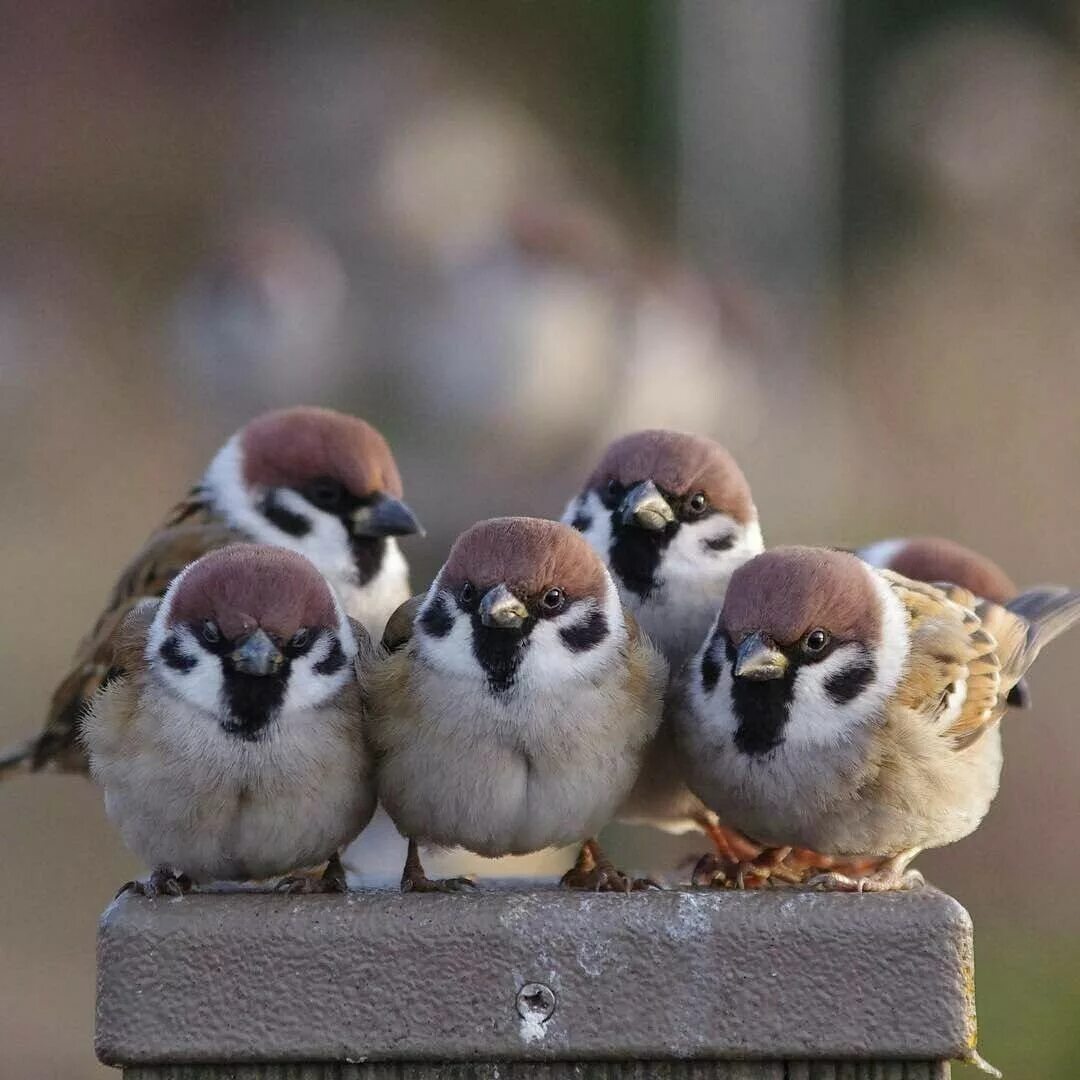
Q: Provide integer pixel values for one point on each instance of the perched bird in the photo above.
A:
(312, 480)
(933, 558)
(514, 703)
(229, 738)
(672, 516)
(853, 711)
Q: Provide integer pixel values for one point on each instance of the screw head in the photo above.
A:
(535, 1002)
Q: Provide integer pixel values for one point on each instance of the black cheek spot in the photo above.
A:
(171, 654)
(333, 661)
(846, 685)
(288, 522)
(710, 671)
(582, 522)
(436, 618)
(587, 634)
(720, 543)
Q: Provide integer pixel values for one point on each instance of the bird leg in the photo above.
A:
(891, 875)
(739, 862)
(594, 871)
(413, 878)
(163, 881)
(331, 880)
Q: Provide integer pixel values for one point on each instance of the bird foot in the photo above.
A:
(419, 882)
(331, 880)
(885, 880)
(605, 879)
(161, 882)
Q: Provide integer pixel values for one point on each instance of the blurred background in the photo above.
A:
(843, 238)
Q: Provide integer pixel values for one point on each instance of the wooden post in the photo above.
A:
(534, 983)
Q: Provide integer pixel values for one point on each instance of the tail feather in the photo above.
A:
(18, 759)
(1048, 612)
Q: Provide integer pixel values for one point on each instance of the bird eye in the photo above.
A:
(467, 594)
(697, 503)
(210, 632)
(325, 492)
(553, 600)
(815, 641)
(300, 638)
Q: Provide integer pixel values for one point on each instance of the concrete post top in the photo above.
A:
(524, 972)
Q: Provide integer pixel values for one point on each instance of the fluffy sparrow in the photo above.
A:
(853, 711)
(672, 516)
(229, 737)
(933, 558)
(514, 703)
(312, 480)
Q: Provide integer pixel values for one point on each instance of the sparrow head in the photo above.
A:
(661, 502)
(247, 632)
(318, 482)
(933, 558)
(807, 647)
(521, 602)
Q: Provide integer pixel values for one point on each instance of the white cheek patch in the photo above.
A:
(592, 519)
(690, 556)
(307, 687)
(202, 683)
(444, 635)
(707, 681)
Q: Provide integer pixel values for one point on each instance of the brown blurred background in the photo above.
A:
(842, 238)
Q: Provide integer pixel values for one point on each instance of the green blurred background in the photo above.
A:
(842, 238)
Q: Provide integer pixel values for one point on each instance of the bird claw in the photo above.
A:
(301, 884)
(160, 883)
(881, 881)
(421, 883)
(606, 879)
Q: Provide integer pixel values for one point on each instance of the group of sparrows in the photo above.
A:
(821, 715)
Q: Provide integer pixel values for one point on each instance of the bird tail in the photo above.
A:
(18, 759)
(1046, 612)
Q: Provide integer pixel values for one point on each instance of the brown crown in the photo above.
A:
(529, 555)
(932, 558)
(290, 446)
(246, 586)
(788, 591)
(680, 464)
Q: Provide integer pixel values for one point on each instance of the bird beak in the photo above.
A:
(758, 659)
(257, 655)
(502, 609)
(645, 507)
(385, 516)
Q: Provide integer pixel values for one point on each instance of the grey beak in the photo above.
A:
(257, 655)
(757, 658)
(645, 507)
(502, 609)
(385, 516)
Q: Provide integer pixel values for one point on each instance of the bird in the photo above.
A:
(229, 739)
(853, 711)
(672, 516)
(935, 558)
(514, 703)
(311, 480)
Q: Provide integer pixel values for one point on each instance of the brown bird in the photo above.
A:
(933, 558)
(855, 712)
(515, 702)
(229, 739)
(312, 480)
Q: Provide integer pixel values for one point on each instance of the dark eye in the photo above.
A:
(815, 641)
(300, 638)
(210, 632)
(553, 600)
(325, 493)
(697, 503)
(467, 594)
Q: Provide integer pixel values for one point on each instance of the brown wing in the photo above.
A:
(953, 676)
(147, 576)
(399, 627)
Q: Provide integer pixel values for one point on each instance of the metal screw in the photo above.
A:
(536, 1002)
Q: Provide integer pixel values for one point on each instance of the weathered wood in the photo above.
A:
(597, 1070)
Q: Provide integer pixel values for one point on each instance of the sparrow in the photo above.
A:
(514, 703)
(853, 711)
(311, 480)
(933, 558)
(672, 516)
(229, 737)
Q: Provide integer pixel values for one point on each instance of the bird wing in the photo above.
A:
(953, 677)
(190, 531)
(399, 627)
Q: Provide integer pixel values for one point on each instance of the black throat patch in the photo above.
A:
(499, 651)
(367, 554)
(252, 701)
(636, 554)
(762, 709)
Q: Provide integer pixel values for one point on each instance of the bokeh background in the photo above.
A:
(841, 237)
